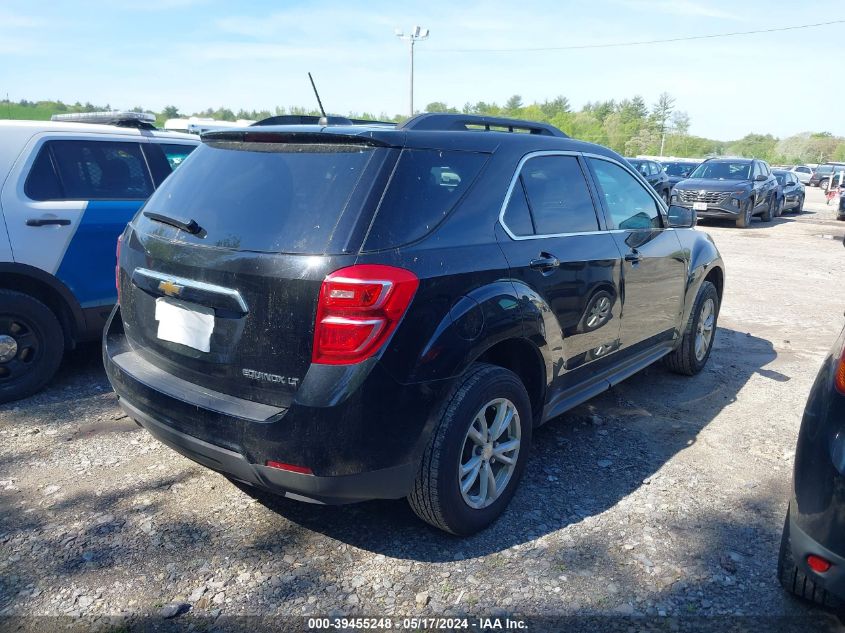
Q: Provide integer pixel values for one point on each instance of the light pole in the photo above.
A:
(416, 34)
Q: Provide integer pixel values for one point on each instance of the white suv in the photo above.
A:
(67, 190)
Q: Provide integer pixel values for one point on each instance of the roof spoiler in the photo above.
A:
(471, 123)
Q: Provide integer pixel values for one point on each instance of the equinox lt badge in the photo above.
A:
(264, 376)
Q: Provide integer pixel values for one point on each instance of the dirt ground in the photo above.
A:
(663, 497)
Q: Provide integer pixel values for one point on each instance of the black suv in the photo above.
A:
(655, 175)
(735, 188)
(342, 312)
(823, 173)
(678, 170)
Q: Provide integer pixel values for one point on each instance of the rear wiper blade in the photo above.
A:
(186, 224)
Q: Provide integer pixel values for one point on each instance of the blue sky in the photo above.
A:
(200, 53)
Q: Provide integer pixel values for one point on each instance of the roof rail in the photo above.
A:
(311, 119)
(140, 120)
(472, 122)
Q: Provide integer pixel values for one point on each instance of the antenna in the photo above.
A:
(324, 120)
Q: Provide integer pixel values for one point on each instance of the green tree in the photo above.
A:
(171, 112)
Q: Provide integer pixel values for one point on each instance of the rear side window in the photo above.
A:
(175, 153)
(558, 196)
(424, 188)
(92, 170)
(268, 197)
(629, 204)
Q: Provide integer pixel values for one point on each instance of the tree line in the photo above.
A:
(628, 126)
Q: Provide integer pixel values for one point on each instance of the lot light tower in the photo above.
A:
(413, 36)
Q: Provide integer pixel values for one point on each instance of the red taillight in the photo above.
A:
(839, 379)
(358, 309)
(291, 468)
(817, 563)
(117, 265)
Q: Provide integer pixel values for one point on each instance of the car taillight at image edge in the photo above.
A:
(358, 309)
(117, 265)
(839, 378)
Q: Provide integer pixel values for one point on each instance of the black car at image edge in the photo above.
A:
(811, 564)
(349, 312)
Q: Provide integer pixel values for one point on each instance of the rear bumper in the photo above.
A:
(388, 483)
(833, 580)
(362, 436)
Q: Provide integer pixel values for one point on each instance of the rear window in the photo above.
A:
(268, 197)
(425, 186)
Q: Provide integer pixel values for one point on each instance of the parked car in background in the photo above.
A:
(824, 173)
(734, 188)
(349, 312)
(790, 192)
(811, 563)
(68, 190)
(654, 174)
(841, 212)
(803, 173)
(678, 170)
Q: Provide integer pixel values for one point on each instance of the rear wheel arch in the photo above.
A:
(523, 358)
(48, 291)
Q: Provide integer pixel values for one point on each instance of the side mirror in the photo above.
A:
(761, 177)
(681, 217)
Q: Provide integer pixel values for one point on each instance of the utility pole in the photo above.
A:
(416, 34)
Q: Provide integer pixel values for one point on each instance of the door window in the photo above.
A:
(629, 204)
(557, 196)
(92, 170)
(42, 183)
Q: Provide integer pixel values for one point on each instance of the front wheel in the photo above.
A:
(743, 220)
(477, 453)
(823, 184)
(800, 207)
(697, 338)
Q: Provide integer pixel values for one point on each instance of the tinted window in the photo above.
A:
(101, 170)
(42, 182)
(558, 196)
(517, 215)
(655, 168)
(782, 178)
(270, 197)
(175, 153)
(423, 189)
(679, 169)
(803, 170)
(629, 203)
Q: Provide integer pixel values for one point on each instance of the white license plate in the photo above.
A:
(184, 323)
(699, 206)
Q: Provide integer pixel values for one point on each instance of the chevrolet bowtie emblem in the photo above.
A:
(170, 289)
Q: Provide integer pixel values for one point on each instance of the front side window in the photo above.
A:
(95, 170)
(557, 195)
(630, 205)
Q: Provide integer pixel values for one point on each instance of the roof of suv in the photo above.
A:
(430, 131)
(97, 128)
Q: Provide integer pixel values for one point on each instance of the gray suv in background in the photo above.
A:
(734, 188)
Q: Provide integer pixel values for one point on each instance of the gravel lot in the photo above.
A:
(664, 496)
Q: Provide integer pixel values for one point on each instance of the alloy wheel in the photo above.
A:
(489, 453)
(704, 329)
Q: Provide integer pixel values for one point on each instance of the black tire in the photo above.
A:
(436, 497)
(823, 184)
(767, 215)
(665, 196)
(39, 341)
(743, 220)
(796, 582)
(800, 207)
(683, 359)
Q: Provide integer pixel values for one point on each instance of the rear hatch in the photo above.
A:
(267, 217)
